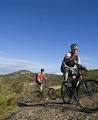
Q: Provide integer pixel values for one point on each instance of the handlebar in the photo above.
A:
(81, 67)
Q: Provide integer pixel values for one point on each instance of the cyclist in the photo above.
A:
(40, 77)
(68, 63)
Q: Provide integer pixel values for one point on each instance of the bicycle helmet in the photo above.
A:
(74, 47)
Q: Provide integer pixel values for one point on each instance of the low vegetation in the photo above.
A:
(13, 86)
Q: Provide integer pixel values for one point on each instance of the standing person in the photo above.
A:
(68, 62)
(40, 78)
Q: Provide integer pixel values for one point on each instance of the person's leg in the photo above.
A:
(66, 72)
(67, 76)
(74, 71)
(73, 77)
(41, 87)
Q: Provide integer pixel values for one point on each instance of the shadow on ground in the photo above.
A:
(56, 105)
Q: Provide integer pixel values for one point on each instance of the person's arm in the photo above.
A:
(79, 61)
(38, 76)
(45, 77)
(66, 58)
(64, 64)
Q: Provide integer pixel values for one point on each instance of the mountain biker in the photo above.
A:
(68, 63)
(40, 77)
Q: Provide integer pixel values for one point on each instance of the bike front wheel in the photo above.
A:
(66, 92)
(87, 94)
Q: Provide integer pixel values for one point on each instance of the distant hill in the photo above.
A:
(21, 72)
(25, 75)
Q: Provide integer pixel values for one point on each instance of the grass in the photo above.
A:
(14, 86)
(9, 95)
(5, 106)
(7, 111)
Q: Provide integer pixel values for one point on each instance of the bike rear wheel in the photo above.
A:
(66, 92)
(52, 93)
(87, 94)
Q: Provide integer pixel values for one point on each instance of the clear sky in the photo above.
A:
(37, 33)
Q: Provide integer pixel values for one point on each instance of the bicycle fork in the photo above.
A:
(85, 87)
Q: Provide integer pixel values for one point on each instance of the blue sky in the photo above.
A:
(37, 33)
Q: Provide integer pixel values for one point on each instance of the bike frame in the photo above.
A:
(77, 82)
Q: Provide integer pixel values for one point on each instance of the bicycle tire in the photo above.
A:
(65, 93)
(87, 94)
(52, 93)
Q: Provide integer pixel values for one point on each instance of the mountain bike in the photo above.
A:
(50, 92)
(84, 92)
(38, 96)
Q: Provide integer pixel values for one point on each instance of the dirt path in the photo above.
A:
(51, 111)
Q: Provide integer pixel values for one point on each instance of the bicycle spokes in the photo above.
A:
(88, 94)
(66, 92)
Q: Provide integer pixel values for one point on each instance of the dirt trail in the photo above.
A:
(51, 111)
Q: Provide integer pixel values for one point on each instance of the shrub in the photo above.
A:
(3, 103)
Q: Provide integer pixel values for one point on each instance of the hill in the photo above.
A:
(28, 76)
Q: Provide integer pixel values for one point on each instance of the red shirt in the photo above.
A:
(40, 76)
